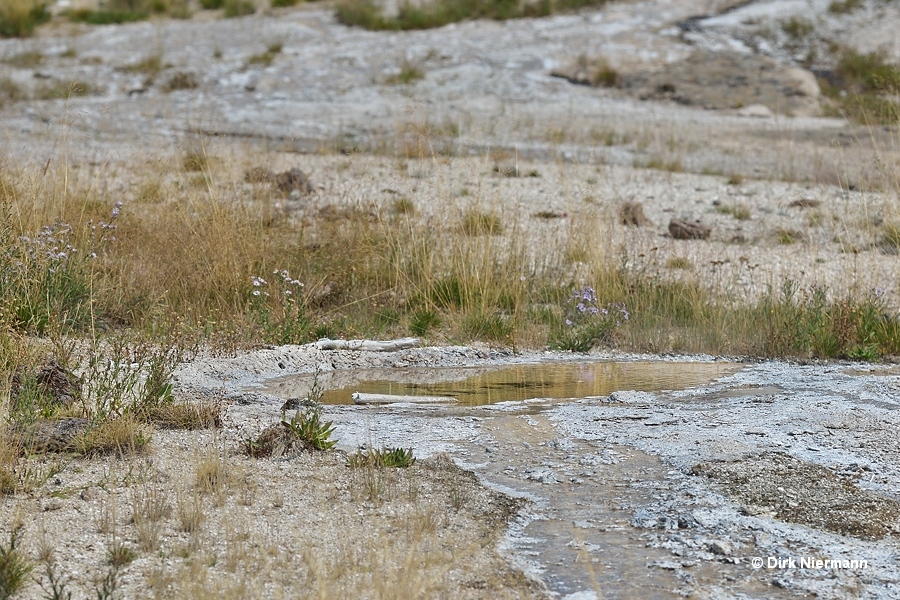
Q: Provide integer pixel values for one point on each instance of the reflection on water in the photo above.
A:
(516, 382)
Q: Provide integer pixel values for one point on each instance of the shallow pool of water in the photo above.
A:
(481, 385)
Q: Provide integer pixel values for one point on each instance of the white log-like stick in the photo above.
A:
(370, 345)
(360, 398)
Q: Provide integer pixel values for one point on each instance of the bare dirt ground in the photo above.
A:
(658, 495)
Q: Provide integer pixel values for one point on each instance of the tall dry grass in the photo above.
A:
(197, 248)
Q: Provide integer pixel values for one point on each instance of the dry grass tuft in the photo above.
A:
(213, 473)
(120, 436)
(189, 510)
(185, 415)
(478, 222)
(149, 507)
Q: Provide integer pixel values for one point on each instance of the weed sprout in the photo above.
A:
(280, 308)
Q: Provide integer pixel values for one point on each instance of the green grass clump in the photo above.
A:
(809, 324)
(18, 18)
(735, 179)
(45, 281)
(238, 8)
(10, 91)
(786, 237)
(119, 436)
(840, 7)
(740, 212)
(409, 73)
(265, 59)
(150, 66)
(889, 242)
(111, 12)
(14, 566)
(673, 165)
(797, 28)
(181, 80)
(368, 14)
(486, 324)
(63, 91)
(25, 60)
(864, 87)
(195, 161)
(423, 321)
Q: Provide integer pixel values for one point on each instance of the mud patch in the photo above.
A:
(712, 80)
(800, 492)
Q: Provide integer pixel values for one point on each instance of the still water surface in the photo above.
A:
(480, 385)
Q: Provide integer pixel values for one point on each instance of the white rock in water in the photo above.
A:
(632, 397)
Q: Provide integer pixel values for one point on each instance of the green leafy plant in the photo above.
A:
(304, 431)
(400, 458)
(307, 426)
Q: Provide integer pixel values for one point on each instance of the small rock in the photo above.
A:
(56, 435)
(632, 213)
(631, 397)
(644, 519)
(258, 175)
(760, 111)
(805, 203)
(720, 547)
(293, 180)
(685, 230)
(582, 524)
(546, 476)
